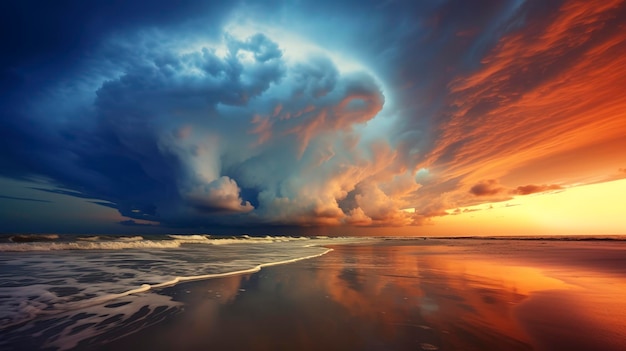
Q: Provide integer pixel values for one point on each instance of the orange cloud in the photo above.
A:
(357, 102)
(532, 189)
(551, 88)
(488, 187)
(492, 187)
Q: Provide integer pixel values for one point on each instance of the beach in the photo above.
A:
(431, 295)
(375, 294)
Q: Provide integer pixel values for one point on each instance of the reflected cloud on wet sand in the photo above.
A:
(432, 295)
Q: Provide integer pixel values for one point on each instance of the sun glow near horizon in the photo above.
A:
(585, 210)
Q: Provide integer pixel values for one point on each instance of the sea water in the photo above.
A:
(61, 292)
(56, 291)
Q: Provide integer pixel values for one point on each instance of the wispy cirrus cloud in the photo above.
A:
(548, 89)
(23, 198)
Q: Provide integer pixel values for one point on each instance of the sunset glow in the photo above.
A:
(375, 118)
(578, 210)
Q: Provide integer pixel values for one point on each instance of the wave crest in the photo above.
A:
(27, 238)
(89, 245)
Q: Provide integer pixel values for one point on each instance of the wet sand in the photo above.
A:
(428, 295)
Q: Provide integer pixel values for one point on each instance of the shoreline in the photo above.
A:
(403, 295)
(309, 298)
(399, 296)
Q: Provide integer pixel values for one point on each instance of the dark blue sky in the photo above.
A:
(209, 115)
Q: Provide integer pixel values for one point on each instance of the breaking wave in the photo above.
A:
(53, 242)
(26, 238)
(47, 281)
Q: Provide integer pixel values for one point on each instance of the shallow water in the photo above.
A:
(375, 294)
(410, 295)
(59, 291)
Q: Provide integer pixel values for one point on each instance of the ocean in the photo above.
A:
(63, 289)
(63, 292)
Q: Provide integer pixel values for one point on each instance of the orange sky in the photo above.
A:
(587, 210)
(503, 125)
(546, 109)
(408, 118)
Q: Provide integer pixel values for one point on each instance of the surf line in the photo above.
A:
(145, 287)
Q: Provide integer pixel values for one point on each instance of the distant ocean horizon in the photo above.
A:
(175, 239)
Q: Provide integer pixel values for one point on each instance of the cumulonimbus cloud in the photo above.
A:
(231, 134)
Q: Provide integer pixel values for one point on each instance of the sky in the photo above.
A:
(313, 117)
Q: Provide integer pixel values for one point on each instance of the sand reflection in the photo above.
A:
(428, 296)
(488, 298)
(462, 300)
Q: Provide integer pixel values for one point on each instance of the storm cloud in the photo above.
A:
(368, 113)
(177, 132)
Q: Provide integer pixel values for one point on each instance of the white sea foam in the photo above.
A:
(156, 307)
(103, 322)
(104, 242)
(44, 283)
(89, 245)
(69, 290)
(227, 274)
(130, 238)
(189, 237)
